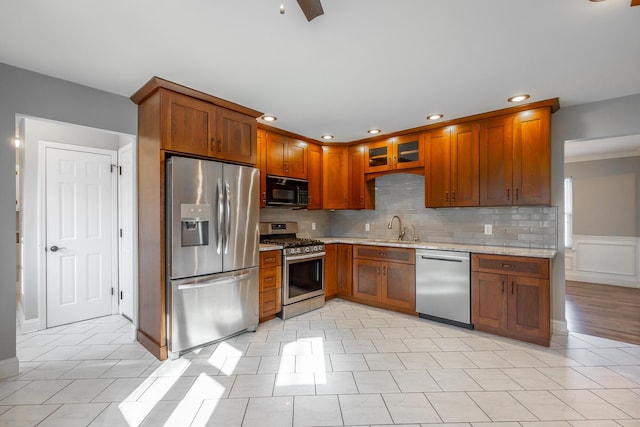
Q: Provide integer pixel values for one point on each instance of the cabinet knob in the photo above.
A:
(446, 196)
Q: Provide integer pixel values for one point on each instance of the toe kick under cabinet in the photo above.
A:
(510, 296)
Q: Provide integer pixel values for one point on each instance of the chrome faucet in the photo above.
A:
(401, 235)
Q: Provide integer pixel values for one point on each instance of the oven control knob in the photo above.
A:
(292, 251)
(315, 249)
(298, 250)
(307, 249)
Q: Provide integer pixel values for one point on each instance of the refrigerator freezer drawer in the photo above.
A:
(207, 309)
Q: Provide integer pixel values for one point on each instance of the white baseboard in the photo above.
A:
(559, 327)
(27, 326)
(609, 260)
(9, 367)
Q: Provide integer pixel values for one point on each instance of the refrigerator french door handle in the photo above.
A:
(220, 195)
(227, 217)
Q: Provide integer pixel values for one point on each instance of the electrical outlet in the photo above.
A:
(367, 227)
(488, 229)
(313, 225)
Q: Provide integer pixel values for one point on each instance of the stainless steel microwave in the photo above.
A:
(287, 192)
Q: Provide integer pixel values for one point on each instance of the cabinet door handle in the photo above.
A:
(395, 162)
(446, 196)
(512, 288)
(502, 288)
(264, 197)
(517, 193)
(384, 270)
(508, 194)
(507, 265)
(453, 196)
(213, 144)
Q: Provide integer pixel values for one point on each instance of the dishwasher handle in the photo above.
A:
(443, 259)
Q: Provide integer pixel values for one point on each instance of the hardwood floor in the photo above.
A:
(603, 310)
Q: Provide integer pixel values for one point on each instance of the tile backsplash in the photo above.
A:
(403, 195)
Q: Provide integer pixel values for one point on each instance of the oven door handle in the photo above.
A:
(305, 256)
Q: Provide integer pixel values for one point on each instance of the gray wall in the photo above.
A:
(612, 117)
(606, 197)
(37, 95)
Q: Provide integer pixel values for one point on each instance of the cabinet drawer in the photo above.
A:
(380, 253)
(270, 278)
(522, 266)
(269, 302)
(270, 258)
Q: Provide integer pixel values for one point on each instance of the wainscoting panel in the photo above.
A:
(604, 259)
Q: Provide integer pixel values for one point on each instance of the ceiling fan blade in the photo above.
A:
(311, 8)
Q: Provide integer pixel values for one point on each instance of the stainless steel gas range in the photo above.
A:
(303, 267)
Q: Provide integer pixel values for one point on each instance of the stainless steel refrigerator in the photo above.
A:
(212, 251)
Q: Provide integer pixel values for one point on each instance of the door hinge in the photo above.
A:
(120, 170)
(111, 291)
(113, 167)
(121, 232)
(120, 294)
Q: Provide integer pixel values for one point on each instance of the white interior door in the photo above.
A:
(125, 212)
(80, 233)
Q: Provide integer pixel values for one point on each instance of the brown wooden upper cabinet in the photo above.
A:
(286, 156)
(197, 127)
(361, 192)
(515, 159)
(400, 152)
(335, 177)
(451, 166)
(315, 176)
(262, 165)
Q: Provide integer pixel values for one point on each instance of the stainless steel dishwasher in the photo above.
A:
(443, 286)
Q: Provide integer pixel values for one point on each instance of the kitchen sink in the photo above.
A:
(394, 241)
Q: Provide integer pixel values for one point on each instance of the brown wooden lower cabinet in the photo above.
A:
(331, 271)
(345, 268)
(510, 296)
(384, 277)
(270, 284)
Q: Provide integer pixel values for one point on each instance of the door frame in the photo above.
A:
(42, 221)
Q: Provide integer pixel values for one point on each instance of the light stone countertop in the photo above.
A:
(456, 247)
(268, 247)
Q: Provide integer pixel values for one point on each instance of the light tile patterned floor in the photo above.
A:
(345, 364)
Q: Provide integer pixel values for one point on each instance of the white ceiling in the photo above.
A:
(602, 148)
(363, 64)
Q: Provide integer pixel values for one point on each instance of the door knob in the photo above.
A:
(55, 248)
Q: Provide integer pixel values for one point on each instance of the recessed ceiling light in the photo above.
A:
(595, 1)
(269, 118)
(374, 131)
(327, 137)
(519, 98)
(435, 117)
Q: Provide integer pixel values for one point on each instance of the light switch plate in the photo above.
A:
(367, 227)
(313, 225)
(488, 229)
